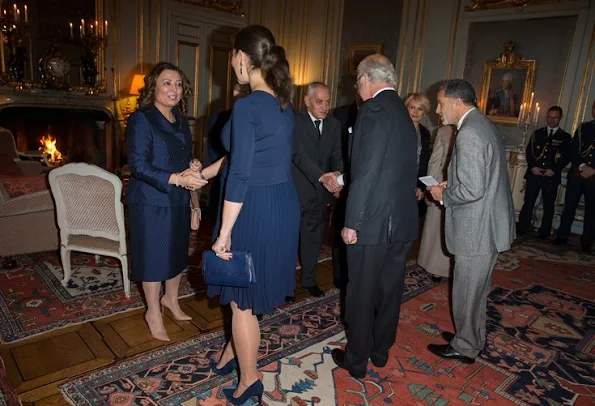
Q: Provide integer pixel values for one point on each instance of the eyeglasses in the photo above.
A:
(357, 81)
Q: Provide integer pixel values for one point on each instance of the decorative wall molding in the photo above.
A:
(229, 6)
(519, 5)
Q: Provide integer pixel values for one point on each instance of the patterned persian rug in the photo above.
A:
(7, 395)
(33, 300)
(540, 349)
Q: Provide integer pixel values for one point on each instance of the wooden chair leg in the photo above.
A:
(65, 256)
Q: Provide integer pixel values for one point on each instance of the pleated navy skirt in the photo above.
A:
(159, 239)
(268, 227)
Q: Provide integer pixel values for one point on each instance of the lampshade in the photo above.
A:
(137, 83)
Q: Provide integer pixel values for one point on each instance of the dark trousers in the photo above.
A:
(311, 235)
(575, 187)
(549, 191)
(339, 247)
(373, 304)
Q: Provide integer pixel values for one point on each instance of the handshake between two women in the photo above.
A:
(192, 178)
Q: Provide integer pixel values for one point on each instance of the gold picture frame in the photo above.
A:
(357, 52)
(507, 83)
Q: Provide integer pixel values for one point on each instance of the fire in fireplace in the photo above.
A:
(70, 135)
(48, 148)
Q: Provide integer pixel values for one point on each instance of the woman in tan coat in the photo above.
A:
(433, 255)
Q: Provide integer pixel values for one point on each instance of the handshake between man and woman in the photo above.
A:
(330, 181)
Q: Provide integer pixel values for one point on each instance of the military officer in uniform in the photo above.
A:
(545, 160)
(581, 180)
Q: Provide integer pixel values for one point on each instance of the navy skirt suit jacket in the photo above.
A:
(159, 213)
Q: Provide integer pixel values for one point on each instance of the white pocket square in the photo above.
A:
(350, 130)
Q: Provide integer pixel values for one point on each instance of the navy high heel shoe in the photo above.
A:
(256, 389)
(225, 369)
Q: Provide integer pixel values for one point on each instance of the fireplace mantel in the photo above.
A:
(56, 99)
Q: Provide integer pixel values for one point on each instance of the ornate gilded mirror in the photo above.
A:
(53, 44)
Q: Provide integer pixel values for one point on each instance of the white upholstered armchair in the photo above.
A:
(90, 214)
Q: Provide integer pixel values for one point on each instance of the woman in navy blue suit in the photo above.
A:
(260, 212)
(159, 145)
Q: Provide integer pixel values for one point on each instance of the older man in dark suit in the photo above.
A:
(317, 162)
(381, 217)
(479, 220)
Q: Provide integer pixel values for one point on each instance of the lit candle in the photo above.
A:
(14, 6)
(105, 30)
(536, 115)
(96, 28)
(520, 118)
(18, 16)
(71, 32)
(81, 30)
(26, 15)
(83, 27)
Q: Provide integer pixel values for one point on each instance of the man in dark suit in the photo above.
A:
(545, 160)
(581, 180)
(346, 115)
(381, 217)
(479, 220)
(316, 164)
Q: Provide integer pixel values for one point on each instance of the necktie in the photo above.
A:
(551, 133)
(317, 124)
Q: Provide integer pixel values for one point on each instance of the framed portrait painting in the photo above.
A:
(507, 83)
(357, 52)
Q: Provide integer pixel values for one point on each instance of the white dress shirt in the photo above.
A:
(314, 119)
(460, 123)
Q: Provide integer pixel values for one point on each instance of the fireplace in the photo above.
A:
(80, 134)
(83, 127)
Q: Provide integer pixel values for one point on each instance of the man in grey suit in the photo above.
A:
(479, 220)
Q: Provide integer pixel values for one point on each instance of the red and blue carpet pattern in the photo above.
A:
(7, 395)
(540, 349)
(33, 300)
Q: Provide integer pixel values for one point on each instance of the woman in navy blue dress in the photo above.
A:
(261, 211)
(159, 147)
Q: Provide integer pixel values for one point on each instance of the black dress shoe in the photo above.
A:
(586, 249)
(289, 299)
(436, 279)
(379, 364)
(446, 351)
(543, 237)
(559, 241)
(315, 291)
(339, 358)
(447, 336)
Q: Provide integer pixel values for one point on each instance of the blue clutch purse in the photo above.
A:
(237, 272)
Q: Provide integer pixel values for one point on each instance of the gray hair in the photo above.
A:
(459, 89)
(312, 86)
(378, 68)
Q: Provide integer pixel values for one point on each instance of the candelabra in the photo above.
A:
(526, 122)
(13, 28)
(93, 39)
